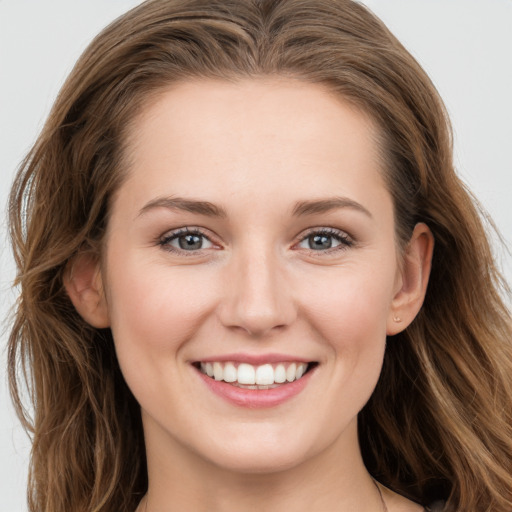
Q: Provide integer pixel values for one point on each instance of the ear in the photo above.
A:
(412, 280)
(84, 285)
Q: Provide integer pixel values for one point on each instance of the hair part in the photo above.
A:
(439, 424)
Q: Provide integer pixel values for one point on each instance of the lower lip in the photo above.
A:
(256, 398)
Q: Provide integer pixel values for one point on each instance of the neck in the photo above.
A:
(334, 479)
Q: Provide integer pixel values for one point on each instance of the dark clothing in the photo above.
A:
(437, 506)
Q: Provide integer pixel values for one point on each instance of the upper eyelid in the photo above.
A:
(193, 230)
(326, 230)
(323, 229)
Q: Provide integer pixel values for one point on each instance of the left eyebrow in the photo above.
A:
(326, 205)
(188, 205)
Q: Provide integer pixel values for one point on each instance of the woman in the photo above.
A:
(225, 235)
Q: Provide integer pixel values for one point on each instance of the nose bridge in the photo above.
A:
(257, 297)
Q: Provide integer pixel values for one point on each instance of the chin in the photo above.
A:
(262, 452)
(258, 461)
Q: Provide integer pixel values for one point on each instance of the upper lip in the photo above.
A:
(254, 359)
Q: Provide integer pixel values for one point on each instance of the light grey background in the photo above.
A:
(465, 46)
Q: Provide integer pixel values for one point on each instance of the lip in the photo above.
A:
(256, 398)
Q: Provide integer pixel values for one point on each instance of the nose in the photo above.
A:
(257, 296)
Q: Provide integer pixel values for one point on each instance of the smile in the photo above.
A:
(255, 381)
(248, 376)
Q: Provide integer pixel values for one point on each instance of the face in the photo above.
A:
(253, 238)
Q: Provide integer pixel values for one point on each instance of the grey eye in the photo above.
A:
(188, 242)
(320, 242)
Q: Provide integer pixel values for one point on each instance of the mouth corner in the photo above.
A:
(311, 366)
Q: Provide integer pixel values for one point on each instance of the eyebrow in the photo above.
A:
(326, 205)
(301, 208)
(187, 205)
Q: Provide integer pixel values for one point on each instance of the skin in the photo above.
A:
(254, 149)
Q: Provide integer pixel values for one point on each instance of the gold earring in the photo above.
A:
(397, 319)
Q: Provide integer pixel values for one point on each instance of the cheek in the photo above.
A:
(158, 307)
(346, 312)
(351, 310)
(154, 313)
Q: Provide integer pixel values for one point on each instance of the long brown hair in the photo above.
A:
(439, 424)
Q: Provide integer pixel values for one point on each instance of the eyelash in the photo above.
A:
(345, 241)
(165, 241)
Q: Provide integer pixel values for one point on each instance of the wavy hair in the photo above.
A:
(439, 424)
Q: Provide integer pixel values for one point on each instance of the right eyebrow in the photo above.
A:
(188, 205)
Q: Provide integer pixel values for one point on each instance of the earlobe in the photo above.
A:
(84, 286)
(414, 276)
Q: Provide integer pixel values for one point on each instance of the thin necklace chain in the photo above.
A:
(384, 507)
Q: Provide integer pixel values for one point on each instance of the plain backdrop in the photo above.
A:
(465, 46)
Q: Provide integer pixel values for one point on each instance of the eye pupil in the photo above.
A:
(319, 242)
(189, 242)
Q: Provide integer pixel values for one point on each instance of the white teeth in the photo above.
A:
(254, 377)
(246, 374)
(230, 373)
(280, 374)
(218, 373)
(265, 375)
(291, 372)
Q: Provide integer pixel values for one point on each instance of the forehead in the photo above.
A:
(270, 134)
